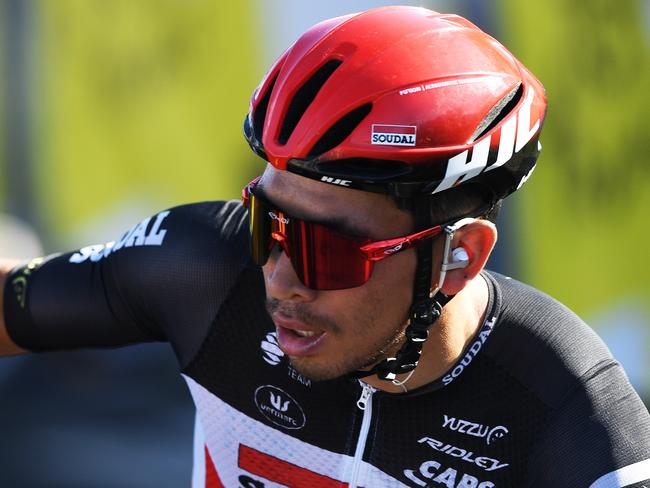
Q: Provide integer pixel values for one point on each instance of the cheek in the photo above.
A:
(267, 270)
(392, 278)
(386, 298)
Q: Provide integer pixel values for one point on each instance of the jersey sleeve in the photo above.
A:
(162, 280)
(598, 438)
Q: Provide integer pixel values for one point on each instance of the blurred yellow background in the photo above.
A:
(114, 109)
(141, 103)
(583, 212)
(582, 218)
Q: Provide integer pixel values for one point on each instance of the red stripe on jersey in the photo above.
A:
(212, 479)
(274, 469)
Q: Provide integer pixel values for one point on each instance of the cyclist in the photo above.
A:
(361, 342)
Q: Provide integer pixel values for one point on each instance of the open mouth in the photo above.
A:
(299, 342)
(304, 333)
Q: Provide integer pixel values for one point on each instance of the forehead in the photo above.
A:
(368, 213)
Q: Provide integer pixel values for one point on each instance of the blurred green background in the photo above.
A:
(139, 104)
(582, 234)
(583, 214)
(114, 109)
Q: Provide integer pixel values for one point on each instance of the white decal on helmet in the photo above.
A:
(336, 181)
(393, 135)
(458, 169)
(525, 177)
(440, 84)
(523, 122)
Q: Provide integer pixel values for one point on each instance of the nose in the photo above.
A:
(281, 280)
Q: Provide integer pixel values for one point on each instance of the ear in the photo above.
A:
(478, 239)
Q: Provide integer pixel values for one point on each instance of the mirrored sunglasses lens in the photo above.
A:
(260, 230)
(326, 259)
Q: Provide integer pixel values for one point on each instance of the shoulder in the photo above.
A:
(541, 342)
(202, 243)
(595, 423)
(214, 230)
(228, 216)
(192, 255)
(220, 223)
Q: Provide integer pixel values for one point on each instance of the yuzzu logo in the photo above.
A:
(474, 429)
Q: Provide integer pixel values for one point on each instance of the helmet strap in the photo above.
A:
(426, 307)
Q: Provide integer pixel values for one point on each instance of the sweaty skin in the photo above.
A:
(360, 326)
(7, 346)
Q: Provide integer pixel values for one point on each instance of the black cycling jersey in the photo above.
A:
(536, 400)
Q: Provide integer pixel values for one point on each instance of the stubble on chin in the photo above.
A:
(364, 349)
(338, 367)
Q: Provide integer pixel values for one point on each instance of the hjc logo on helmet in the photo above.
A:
(336, 181)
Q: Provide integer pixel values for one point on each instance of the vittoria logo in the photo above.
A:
(474, 429)
(393, 135)
(276, 401)
(279, 407)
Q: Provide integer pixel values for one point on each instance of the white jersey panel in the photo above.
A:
(198, 468)
(238, 443)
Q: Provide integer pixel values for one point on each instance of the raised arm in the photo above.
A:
(7, 346)
(162, 280)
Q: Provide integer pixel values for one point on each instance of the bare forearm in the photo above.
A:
(7, 346)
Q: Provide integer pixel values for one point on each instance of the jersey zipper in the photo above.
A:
(364, 403)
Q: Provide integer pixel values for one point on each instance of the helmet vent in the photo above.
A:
(260, 112)
(303, 98)
(341, 129)
(499, 112)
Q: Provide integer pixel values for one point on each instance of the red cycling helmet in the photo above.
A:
(399, 100)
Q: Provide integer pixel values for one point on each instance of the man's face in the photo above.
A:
(329, 333)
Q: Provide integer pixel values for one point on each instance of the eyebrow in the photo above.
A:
(338, 223)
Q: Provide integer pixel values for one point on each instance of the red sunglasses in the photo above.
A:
(322, 257)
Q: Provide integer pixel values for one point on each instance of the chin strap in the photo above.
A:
(426, 308)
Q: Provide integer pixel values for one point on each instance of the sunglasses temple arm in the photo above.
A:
(377, 251)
